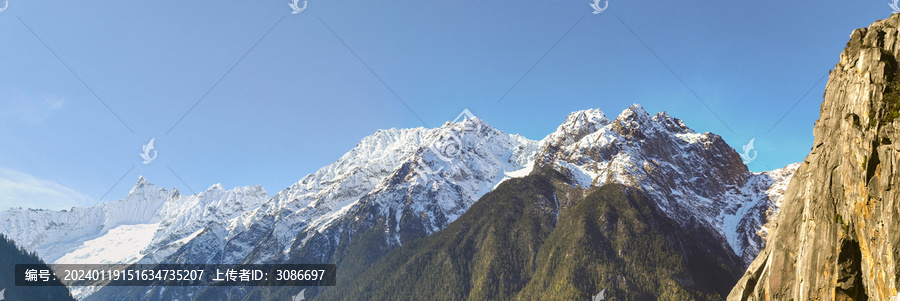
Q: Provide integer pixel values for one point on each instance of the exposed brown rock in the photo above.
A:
(837, 236)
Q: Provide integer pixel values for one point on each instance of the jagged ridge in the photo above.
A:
(412, 182)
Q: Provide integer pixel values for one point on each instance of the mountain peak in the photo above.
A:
(664, 118)
(467, 125)
(634, 112)
(141, 184)
(473, 119)
(585, 118)
(671, 123)
(635, 122)
(577, 125)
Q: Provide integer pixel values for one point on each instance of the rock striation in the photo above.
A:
(837, 236)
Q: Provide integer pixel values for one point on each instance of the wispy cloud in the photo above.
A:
(19, 189)
(31, 108)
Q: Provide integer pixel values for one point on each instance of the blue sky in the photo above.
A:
(288, 94)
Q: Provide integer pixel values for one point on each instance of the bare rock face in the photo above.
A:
(837, 236)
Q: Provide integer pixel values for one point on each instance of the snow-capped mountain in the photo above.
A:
(54, 234)
(746, 227)
(693, 177)
(146, 225)
(149, 221)
(409, 183)
(418, 179)
(436, 173)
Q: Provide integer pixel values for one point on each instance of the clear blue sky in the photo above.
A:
(301, 98)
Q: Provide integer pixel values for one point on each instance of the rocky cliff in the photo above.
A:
(837, 236)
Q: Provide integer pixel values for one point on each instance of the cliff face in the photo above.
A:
(837, 236)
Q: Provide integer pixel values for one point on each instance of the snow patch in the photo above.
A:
(519, 173)
(730, 223)
(122, 244)
(689, 137)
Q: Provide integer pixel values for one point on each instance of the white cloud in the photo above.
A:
(19, 189)
(33, 109)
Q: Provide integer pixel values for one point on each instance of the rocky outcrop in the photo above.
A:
(837, 236)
